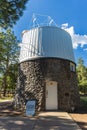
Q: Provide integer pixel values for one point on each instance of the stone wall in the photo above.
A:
(32, 78)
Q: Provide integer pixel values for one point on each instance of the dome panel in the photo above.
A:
(46, 42)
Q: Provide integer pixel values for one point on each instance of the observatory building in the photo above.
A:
(47, 70)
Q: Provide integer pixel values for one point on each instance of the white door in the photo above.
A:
(51, 96)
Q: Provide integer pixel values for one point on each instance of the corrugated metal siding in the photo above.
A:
(46, 42)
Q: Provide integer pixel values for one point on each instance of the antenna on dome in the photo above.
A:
(42, 20)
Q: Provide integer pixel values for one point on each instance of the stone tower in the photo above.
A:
(47, 70)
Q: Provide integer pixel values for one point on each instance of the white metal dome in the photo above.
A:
(46, 41)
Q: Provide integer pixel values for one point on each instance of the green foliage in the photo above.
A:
(83, 100)
(9, 53)
(82, 76)
(10, 11)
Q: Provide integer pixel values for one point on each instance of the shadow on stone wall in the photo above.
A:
(19, 99)
(22, 96)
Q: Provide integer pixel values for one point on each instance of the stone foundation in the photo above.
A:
(33, 75)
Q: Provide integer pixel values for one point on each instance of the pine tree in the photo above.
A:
(82, 76)
(10, 11)
(8, 59)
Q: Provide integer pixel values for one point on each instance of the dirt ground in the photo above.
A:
(6, 109)
(80, 119)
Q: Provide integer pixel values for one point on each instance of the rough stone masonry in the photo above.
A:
(32, 78)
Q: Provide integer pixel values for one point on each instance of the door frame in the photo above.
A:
(51, 81)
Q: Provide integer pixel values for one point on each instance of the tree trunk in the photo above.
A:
(5, 76)
(5, 86)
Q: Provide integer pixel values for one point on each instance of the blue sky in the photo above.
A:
(68, 14)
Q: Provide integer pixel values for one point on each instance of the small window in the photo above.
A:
(72, 66)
